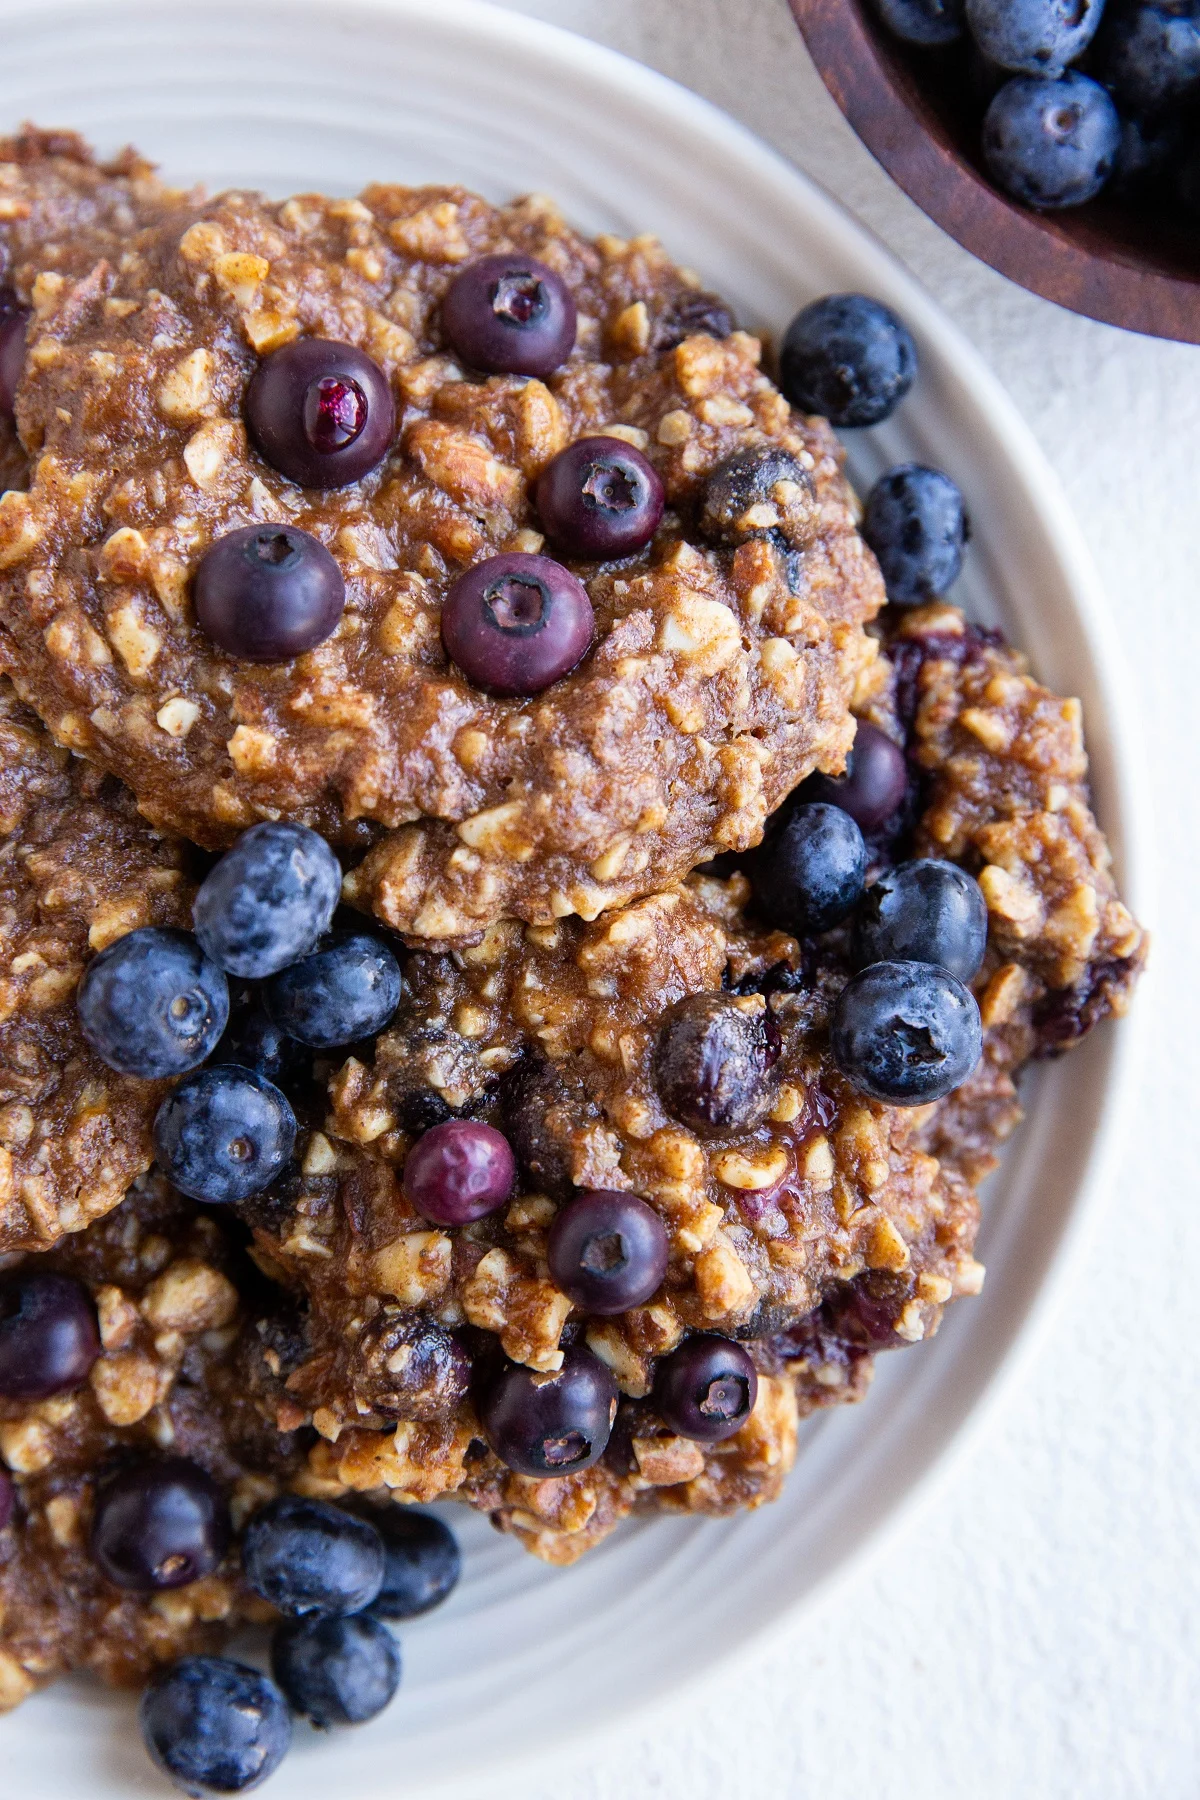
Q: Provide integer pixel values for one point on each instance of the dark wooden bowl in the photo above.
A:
(919, 113)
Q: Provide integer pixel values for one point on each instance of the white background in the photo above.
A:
(1034, 1630)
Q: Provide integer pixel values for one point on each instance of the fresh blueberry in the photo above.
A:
(159, 1524)
(514, 624)
(706, 1389)
(1051, 143)
(712, 1061)
(215, 1726)
(346, 990)
(1033, 37)
(309, 1558)
(550, 1424)
(321, 412)
(1148, 156)
(906, 1032)
(254, 1041)
(422, 1563)
(336, 1671)
(269, 901)
(599, 498)
(268, 593)
(8, 1499)
(759, 492)
(874, 784)
(509, 315)
(849, 358)
(459, 1171)
(924, 22)
(49, 1337)
(13, 320)
(153, 1004)
(924, 911)
(607, 1251)
(916, 524)
(224, 1134)
(1148, 54)
(812, 875)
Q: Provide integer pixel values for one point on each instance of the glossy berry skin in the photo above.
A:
(336, 1671)
(13, 320)
(224, 1134)
(459, 1171)
(310, 1559)
(607, 1251)
(514, 623)
(509, 315)
(346, 990)
(268, 593)
(214, 1726)
(49, 1337)
(8, 1499)
(600, 498)
(873, 786)
(916, 524)
(159, 1524)
(1051, 143)
(153, 1004)
(550, 1424)
(706, 1389)
(712, 1062)
(924, 22)
(269, 900)
(923, 911)
(1148, 54)
(812, 875)
(1033, 37)
(321, 412)
(906, 1032)
(849, 358)
(422, 1563)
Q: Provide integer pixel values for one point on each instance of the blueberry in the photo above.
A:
(712, 1062)
(49, 1337)
(873, 786)
(347, 989)
(407, 1366)
(1148, 54)
(607, 1251)
(514, 624)
(224, 1134)
(1148, 155)
(924, 911)
(309, 1558)
(550, 1424)
(812, 875)
(600, 498)
(336, 1671)
(459, 1171)
(691, 314)
(153, 1004)
(268, 593)
(924, 22)
(906, 1032)
(215, 1726)
(916, 524)
(8, 1499)
(760, 492)
(849, 358)
(706, 1389)
(1034, 37)
(422, 1563)
(159, 1524)
(269, 901)
(321, 412)
(509, 315)
(255, 1041)
(13, 320)
(1051, 143)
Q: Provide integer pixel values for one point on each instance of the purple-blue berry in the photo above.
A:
(1033, 37)
(346, 990)
(923, 911)
(849, 358)
(224, 1134)
(153, 1004)
(906, 1033)
(215, 1726)
(1051, 143)
(916, 524)
(269, 900)
(923, 22)
(338, 1671)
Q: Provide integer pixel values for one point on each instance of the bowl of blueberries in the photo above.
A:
(1057, 140)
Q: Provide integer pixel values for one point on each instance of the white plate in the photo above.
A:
(294, 95)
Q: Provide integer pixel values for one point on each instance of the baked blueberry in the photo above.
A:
(923, 911)
(459, 1171)
(224, 1134)
(339, 1671)
(321, 412)
(1051, 143)
(599, 498)
(254, 1041)
(849, 358)
(514, 624)
(268, 901)
(49, 1337)
(8, 1499)
(607, 1251)
(268, 593)
(550, 1424)
(153, 1004)
(509, 315)
(347, 989)
(924, 22)
(706, 1389)
(13, 320)
(1033, 37)
(693, 313)
(308, 1558)
(906, 1032)
(713, 1058)
(215, 1726)
(1148, 54)
(422, 1563)
(916, 524)
(874, 783)
(811, 876)
(759, 492)
(160, 1523)
(407, 1366)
